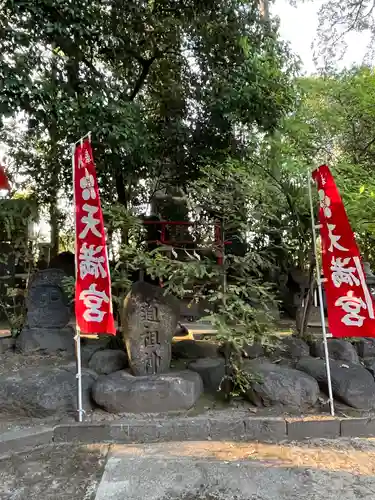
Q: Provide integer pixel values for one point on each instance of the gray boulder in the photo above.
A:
(46, 340)
(108, 361)
(90, 346)
(294, 347)
(351, 383)
(366, 348)
(338, 349)
(281, 385)
(194, 349)
(121, 392)
(41, 392)
(252, 351)
(211, 370)
(369, 363)
(7, 344)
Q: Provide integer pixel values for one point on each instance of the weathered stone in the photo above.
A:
(265, 429)
(41, 392)
(211, 370)
(252, 351)
(366, 347)
(47, 340)
(7, 344)
(108, 361)
(149, 320)
(46, 302)
(358, 427)
(351, 383)
(120, 392)
(295, 348)
(310, 429)
(194, 349)
(281, 385)
(370, 365)
(338, 349)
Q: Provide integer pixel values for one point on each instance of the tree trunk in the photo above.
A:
(303, 317)
(55, 229)
(54, 180)
(264, 10)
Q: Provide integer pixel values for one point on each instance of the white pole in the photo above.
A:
(320, 294)
(77, 337)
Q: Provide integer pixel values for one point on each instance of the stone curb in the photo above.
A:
(24, 439)
(188, 429)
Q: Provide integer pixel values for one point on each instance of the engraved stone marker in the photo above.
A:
(48, 314)
(149, 320)
(47, 304)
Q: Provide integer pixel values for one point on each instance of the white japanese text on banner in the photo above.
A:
(350, 305)
(93, 302)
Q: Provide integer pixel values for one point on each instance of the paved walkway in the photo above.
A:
(334, 470)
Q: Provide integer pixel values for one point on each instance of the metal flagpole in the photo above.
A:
(77, 337)
(320, 294)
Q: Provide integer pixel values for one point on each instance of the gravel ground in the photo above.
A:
(53, 473)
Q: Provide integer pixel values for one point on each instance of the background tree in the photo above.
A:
(164, 86)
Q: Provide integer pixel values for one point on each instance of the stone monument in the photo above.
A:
(149, 320)
(48, 314)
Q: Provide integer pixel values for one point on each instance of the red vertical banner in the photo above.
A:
(4, 181)
(93, 301)
(349, 302)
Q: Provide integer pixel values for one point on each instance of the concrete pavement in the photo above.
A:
(234, 471)
(336, 470)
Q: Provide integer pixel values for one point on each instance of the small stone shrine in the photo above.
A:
(48, 314)
(149, 320)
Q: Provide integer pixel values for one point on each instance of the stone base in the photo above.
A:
(42, 392)
(47, 340)
(120, 392)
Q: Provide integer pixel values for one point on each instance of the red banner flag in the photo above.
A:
(4, 181)
(349, 302)
(93, 302)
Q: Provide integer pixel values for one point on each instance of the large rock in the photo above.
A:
(351, 383)
(338, 349)
(369, 363)
(108, 361)
(120, 392)
(41, 392)
(281, 385)
(211, 370)
(46, 340)
(194, 349)
(149, 320)
(366, 348)
(252, 351)
(294, 347)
